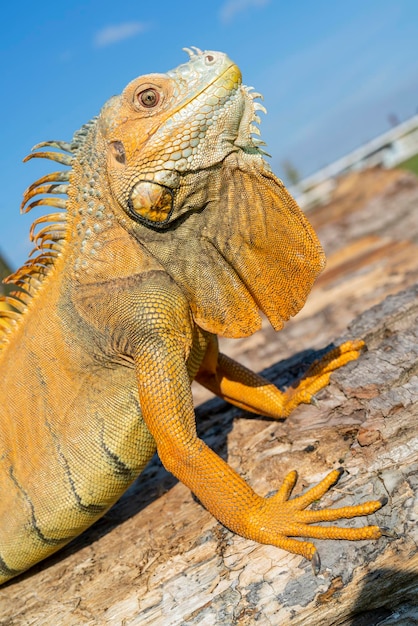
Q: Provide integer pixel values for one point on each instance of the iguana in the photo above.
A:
(172, 230)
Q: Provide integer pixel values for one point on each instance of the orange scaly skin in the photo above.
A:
(172, 230)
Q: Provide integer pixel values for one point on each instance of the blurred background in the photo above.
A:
(335, 77)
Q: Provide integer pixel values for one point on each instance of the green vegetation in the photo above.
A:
(291, 173)
(4, 271)
(410, 164)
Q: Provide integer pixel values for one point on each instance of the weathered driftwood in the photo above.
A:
(159, 558)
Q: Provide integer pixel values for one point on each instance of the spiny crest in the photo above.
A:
(48, 239)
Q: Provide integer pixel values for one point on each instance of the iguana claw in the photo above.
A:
(316, 563)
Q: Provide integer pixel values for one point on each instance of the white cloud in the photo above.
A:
(118, 32)
(231, 8)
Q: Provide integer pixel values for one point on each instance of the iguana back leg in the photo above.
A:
(249, 391)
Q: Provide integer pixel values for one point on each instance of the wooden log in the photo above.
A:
(159, 558)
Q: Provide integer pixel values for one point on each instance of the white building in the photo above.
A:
(387, 150)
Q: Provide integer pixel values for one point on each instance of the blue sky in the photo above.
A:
(331, 73)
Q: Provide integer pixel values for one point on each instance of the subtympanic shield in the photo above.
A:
(151, 203)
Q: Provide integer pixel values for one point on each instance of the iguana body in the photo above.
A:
(175, 231)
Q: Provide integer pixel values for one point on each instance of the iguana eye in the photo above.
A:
(209, 59)
(148, 98)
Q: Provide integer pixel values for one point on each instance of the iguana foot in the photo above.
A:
(279, 519)
(249, 391)
(318, 375)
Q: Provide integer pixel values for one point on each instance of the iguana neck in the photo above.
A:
(98, 247)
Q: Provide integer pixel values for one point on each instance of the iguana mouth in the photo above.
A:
(227, 81)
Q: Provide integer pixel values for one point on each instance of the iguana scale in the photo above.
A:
(172, 230)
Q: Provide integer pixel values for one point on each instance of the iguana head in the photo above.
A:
(190, 184)
(164, 125)
(173, 162)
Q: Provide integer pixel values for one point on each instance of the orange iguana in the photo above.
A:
(174, 231)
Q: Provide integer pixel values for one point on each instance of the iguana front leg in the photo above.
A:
(167, 408)
(249, 391)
